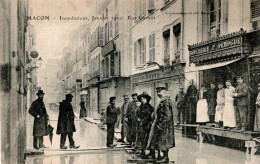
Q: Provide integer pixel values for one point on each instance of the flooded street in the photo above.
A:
(187, 151)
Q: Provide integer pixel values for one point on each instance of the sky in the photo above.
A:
(53, 35)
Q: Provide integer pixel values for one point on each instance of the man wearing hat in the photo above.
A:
(66, 126)
(212, 101)
(164, 130)
(38, 111)
(123, 113)
(131, 119)
(241, 97)
(111, 119)
(180, 105)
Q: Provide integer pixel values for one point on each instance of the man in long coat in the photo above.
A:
(131, 119)
(180, 105)
(38, 111)
(123, 114)
(241, 97)
(112, 114)
(164, 127)
(212, 102)
(66, 125)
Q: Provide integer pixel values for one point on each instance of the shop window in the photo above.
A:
(214, 10)
(152, 47)
(255, 9)
(112, 65)
(166, 36)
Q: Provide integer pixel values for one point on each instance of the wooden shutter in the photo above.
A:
(135, 54)
(150, 5)
(143, 57)
(111, 29)
(101, 36)
(255, 8)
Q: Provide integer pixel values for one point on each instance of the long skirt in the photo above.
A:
(219, 113)
(229, 115)
(202, 111)
(257, 120)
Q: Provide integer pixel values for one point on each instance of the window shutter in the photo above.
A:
(153, 54)
(111, 30)
(143, 58)
(150, 47)
(255, 8)
(135, 54)
(150, 5)
(101, 36)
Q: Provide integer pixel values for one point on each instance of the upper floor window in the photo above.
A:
(116, 25)
(116, 3)
(152, 47)
(255, 10)
(166, 36)
(139, 52)
(151, 5)
(214, 10)
(140, 8)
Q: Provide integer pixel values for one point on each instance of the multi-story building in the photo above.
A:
(224, 44)
(13, 80)
(158, 46)
(115, 38)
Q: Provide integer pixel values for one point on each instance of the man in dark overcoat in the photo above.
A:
(164, 127)
(131, 120)
(66, 125)
(38, 111)
(123, 114)
(241, 98)
(180, 105)
(212, 102)
(112, 114)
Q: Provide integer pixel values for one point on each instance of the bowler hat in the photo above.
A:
(40, 92)
(69, 96)
(112, 98)
(125, 97)
(160, 87)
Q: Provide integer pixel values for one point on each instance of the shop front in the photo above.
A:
(170, 76)
(224, 58)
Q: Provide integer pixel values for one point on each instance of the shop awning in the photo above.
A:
(84, 92)
(205, 67)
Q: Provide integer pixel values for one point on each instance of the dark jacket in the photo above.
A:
(179, 99)
(144, 117)
(212, 101)
(123, 111)
(66, 118)
(130, 113)
(164, 128)
(242, 95)
(112, 113)
(41, 123)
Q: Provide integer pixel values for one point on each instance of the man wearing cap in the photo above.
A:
(66, 126)
(131, 119)
(180, 105)
(38, 111)
(212, 102)
(123, 113)
(164, 130)
(241, 97)
(111, 119)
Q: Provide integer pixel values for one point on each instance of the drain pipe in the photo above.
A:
(182, 31)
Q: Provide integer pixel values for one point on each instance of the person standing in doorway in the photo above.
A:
(83, 111)
(220, 104)
(180, 105)
(229, 114)
(212, 102)
(38, 111)
(241, 97)
(66, 126)
(111, 119)
(123, 114)
(202, 106)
